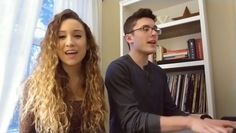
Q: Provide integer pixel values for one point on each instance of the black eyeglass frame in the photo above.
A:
(146, 28)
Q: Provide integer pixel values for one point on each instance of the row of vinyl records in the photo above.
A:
(194, 51)
(188, 91)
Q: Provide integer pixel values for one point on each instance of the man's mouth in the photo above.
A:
(152, 42)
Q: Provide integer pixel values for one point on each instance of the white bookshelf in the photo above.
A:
(182, 64)
(179, 22)
(191, 27)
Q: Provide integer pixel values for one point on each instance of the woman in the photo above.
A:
(65, 92)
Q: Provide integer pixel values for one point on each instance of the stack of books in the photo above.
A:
(192, 52)
(175, 54)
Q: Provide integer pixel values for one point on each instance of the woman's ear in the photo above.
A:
(87, 47)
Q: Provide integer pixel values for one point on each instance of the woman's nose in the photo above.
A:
(69, 42)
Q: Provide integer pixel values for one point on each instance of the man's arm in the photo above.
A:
(177, 123)
(191, 122)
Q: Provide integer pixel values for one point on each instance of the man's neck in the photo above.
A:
(140, 59)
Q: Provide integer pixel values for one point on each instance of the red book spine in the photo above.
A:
(199, 49)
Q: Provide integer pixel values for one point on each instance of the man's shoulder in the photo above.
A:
(118, 68)
(120, 65)
(157, 68)
(121, 61)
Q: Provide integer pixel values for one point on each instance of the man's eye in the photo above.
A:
(155, 28)
(146, 28)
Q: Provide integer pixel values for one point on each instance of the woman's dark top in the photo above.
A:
(27, 125)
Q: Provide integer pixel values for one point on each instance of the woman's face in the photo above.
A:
(72, 44)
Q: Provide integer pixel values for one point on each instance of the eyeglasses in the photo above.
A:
(147, 29)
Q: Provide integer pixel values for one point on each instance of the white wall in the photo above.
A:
(222, 31)
(110, 32)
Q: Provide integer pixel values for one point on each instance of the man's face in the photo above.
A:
(143, 38)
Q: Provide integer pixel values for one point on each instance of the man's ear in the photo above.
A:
(129, 38)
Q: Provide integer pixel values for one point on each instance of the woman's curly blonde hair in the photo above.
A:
(46, 89)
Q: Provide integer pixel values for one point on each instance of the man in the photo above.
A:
(139, 96)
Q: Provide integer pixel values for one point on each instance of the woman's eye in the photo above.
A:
(78, 36)
(62, 37)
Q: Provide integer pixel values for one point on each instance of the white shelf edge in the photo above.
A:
(128, 2)
(182, 64)
(178, 22)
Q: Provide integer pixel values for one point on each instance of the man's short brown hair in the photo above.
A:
(141, 13)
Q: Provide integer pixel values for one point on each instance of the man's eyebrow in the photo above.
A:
(145, 25)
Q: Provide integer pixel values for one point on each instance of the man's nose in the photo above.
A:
(154, 32)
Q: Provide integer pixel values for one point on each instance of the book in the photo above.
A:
(189, 98)
(191, 49)
(175, 54)
(174, 61)
(199, 49)
(168, 51)
(159, 53)
(175, 57)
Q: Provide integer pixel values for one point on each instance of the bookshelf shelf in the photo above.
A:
(182, 64)
(132, 5)
(180, 27)
(129, 2)
(179, 22)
